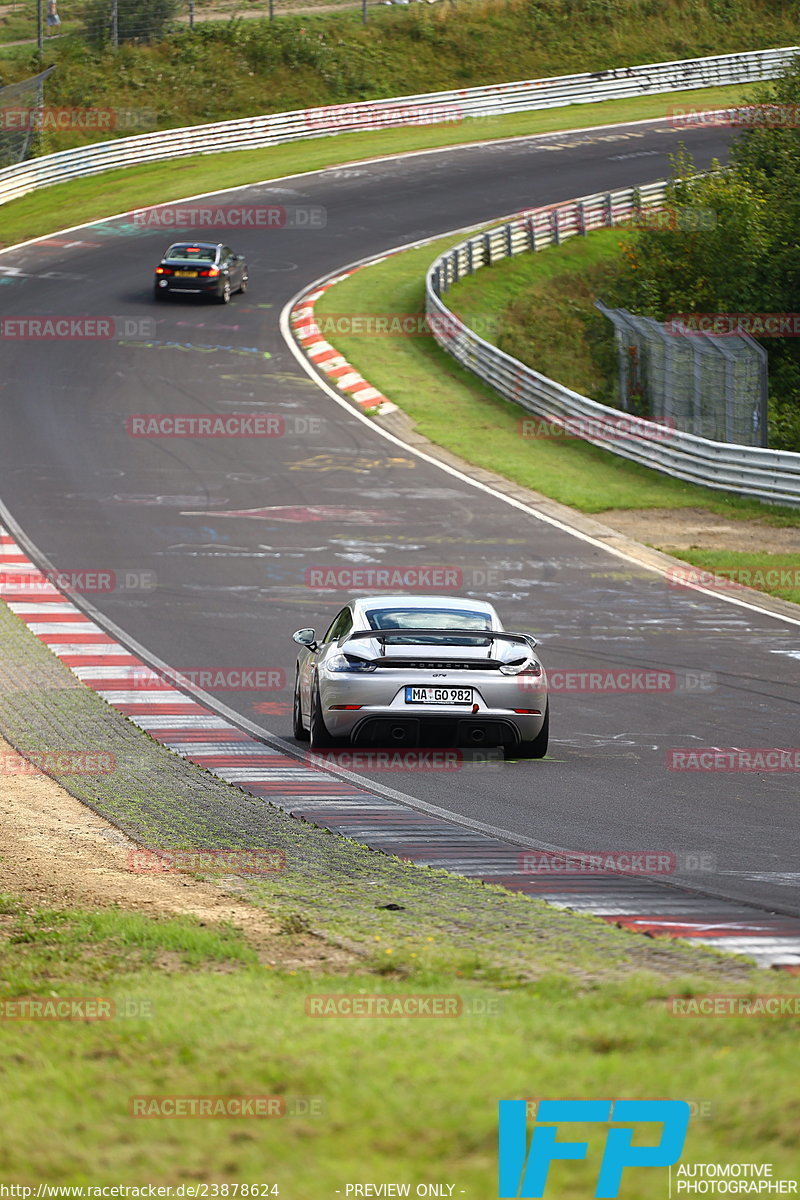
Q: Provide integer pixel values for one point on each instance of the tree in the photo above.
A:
(745, 257)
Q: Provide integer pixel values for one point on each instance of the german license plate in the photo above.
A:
(186, 274)
(438, 695)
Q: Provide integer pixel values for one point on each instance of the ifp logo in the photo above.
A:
(523, 1170)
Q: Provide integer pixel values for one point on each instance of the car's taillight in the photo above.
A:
(522, 666)
(214, 271)
(348, 662)
(163, 270)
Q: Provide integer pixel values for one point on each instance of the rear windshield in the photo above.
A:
(430, 618)
(192, 253)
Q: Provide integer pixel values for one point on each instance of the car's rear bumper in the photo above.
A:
(188, 287)
(398, 723)
(428, 729)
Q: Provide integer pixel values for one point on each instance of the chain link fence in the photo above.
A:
(19, 104)
(710, 385)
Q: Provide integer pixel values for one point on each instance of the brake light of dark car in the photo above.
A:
(214, 271)
(164, 271)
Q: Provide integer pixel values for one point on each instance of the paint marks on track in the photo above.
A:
(304, 789)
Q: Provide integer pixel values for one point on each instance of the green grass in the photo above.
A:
(402, 1099)
(457, 412)
(539, 308)
(236, 68)
(778, 574)
(45, 946)
(90, 199)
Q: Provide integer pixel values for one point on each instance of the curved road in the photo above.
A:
(333, 493)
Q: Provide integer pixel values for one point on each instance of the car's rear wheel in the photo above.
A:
(298, 728)
(320, 738)
(537, 748)
(224, 296)
(159, 293)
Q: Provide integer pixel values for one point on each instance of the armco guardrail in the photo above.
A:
(433, 107)
(771, 475)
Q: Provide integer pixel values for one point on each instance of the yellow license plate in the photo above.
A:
(186, 274)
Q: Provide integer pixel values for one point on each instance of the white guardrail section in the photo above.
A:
(431, 108)
(771, 475)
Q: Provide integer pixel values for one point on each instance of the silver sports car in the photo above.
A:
(413, 670)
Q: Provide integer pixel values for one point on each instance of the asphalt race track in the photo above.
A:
(334, 493)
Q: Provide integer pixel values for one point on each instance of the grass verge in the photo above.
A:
(452, 408)
(197, 1014)
(236, 68)
(777, 574)
(553, 1003)
(91, 199)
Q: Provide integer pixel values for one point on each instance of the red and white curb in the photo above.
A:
(200, 735)
(327, 359)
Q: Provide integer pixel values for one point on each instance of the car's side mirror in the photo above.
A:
(305, 637)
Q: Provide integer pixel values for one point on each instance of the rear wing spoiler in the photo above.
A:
(387, 635)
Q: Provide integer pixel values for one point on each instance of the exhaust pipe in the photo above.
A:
(477, 736)
(399, 733)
